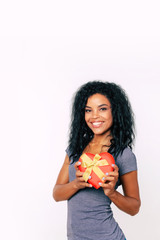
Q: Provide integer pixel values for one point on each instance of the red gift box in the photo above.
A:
(96, 166)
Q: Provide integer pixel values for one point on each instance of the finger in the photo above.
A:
(109, 178)
(79, 176)
(79, 173)
(88, 185)
(77, 164)
(112, 174)
(115, 167)
(115, 170)
(105, 185)
(81, 179)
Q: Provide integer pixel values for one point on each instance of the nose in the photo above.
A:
(95, 114)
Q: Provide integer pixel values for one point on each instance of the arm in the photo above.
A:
(130, 201)
(64, 189)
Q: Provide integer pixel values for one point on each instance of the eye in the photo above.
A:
(103, 109)
(87, 110)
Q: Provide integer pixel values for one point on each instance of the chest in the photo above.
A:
(94, 149)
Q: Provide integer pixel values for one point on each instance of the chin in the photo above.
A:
(98, 132)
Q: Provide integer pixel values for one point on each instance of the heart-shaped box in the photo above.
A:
(95, 167)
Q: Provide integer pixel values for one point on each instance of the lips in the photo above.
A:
(96, 124)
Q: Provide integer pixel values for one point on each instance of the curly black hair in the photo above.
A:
(122, 130)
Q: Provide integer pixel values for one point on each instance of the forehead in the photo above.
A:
(97, 99)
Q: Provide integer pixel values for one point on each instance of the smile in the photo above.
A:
(96, 124)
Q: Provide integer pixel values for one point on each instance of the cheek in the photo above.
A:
(86, 118)
(109, 118)
(111, 121)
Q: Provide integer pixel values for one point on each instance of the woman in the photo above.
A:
(102, 121)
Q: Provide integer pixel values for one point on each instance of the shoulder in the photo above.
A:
(126, 154)
(126, 161)
(70, 155)
(68, 151)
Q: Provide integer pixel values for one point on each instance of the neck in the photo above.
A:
(102, 139)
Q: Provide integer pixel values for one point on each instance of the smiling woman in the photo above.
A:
(102, 121)
(98, 114)
(122, 129)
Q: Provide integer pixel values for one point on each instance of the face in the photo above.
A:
(98, 115)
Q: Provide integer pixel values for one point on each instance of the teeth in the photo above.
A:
(96, 123)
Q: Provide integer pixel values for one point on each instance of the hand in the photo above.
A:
(110, 182)
(79, 181)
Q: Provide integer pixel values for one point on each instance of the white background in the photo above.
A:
(47, 50)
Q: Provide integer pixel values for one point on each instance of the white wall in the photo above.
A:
(47, 50)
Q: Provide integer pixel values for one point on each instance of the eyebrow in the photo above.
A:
(98, 106)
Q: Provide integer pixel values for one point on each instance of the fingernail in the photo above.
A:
(79, 163)
(90, 185)
(89, 177)
(106, 173)
(103, 178)
(113, 165)
(100, 183)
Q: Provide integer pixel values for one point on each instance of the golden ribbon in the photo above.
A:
(93, 165)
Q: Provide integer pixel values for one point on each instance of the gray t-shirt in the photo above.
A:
(89, 213)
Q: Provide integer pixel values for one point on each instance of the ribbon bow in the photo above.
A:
(93, 165)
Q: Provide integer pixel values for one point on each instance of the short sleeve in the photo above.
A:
(126, 161)
(69, 153)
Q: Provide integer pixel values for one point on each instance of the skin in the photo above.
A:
(98, 117)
